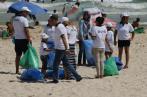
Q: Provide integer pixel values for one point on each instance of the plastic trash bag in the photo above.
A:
(110, 67)
(88, 44)
(5, 34)
(30, 58)
(118, 62)
(60, 73)
(51, 44)
(51, 55)
(50, 61)
(31, 75)
(139, 30)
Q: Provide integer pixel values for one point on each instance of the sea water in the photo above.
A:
(136, 8)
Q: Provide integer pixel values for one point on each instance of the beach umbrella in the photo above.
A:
(35, 9)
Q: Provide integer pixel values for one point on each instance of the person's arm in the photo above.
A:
(81, 30)
(107, 42)
(11, 29)
(47, 49)
(133, 35)
(132, 32)
(64, 42)
(26, 30)
(93, 33)
(115, 34)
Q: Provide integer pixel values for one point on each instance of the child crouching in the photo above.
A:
(44, 50)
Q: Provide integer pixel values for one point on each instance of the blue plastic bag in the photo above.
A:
(119, 64)
(88, 44)
(31, 75)
(60, 73)
(51, 55)
(51, 44)
(50, 61)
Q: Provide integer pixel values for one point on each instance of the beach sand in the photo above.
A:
(131, 82)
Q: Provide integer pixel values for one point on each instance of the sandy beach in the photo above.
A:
(131, 82)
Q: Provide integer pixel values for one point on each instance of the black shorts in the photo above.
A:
(21, 46)
(123, 43)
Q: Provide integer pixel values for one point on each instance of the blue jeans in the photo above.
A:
(81, 53)
(60, 55)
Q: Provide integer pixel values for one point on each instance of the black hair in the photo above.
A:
(88, 16)
(100, 20)
(54, 17)
(137, 19)
(54, 10)
(77, 3)
(8, 22)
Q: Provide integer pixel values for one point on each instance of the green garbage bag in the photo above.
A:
(139, 30)
(110, 67)
(5, 34)
(30, 58)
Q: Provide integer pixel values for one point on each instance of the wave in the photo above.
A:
(125, 5)
(108, 0)
(5, 5)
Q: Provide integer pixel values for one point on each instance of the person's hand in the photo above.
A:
(111, 50)
(67, 51)
(30, 39)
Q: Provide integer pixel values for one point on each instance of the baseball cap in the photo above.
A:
(44, 36)
(64, 19)
(109, 24)
(25, 9)
(125, 14)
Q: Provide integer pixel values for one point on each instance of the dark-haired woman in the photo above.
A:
(124, 31)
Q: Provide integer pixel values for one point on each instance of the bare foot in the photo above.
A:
(97, 76)
(125, 67)
(101, 76)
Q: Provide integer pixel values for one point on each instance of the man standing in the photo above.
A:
(21, 34)
(61, 50)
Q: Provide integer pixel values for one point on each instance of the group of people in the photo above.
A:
(64, 36)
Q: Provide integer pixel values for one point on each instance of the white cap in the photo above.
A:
(109, 24)
(44, 36)
(64, 19)
(124, 14)
(25, 9)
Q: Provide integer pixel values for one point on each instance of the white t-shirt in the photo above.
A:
(124, 31)
(100, 34)
(42, 47)
(19, 23)
(50, 31)
(60, 30)
(110, 38)
(72, 34)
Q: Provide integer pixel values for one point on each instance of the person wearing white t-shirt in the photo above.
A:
(21, 34)
(44, 51)
(109, 45)
(98, 34)
(50, 31)
(61, 50)
(124, 31)
(72, 38)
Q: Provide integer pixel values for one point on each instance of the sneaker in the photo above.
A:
(79, 79)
